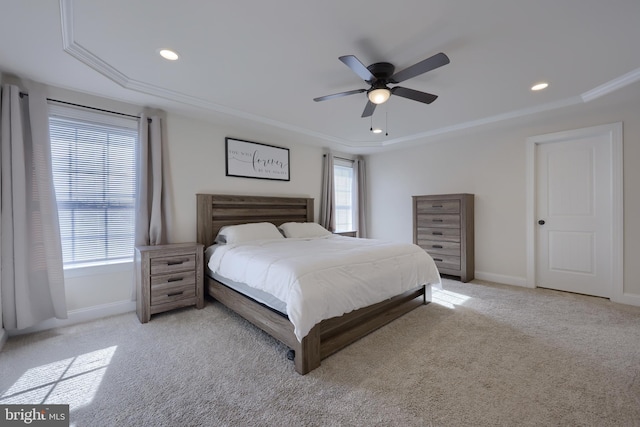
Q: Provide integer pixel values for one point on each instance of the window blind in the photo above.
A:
(343, 187)
(93, 161)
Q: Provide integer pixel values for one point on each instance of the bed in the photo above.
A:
(328, 335)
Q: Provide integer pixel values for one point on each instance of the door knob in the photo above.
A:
(541, 222)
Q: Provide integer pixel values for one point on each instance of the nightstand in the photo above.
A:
(168, 277)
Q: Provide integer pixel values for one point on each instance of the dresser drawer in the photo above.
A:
(439, 221)
(438, 206)
(446, 261)
(440, 247)
(173, 263)
(441, 234)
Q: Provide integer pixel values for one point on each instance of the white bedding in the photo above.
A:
(325, 277)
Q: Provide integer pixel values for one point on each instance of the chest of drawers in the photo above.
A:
(168, 277)
(443, 226)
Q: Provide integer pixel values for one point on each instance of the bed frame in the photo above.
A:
(328, 336)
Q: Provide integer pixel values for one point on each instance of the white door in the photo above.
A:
(574, 213)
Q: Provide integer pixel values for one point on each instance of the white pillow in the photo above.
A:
(248, 232)
(304, 229)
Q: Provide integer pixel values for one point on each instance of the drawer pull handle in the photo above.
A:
(175, 279)
(175, 294)
(437, 233)
(437, 259)
(437, 246)
(182, 261)
(436, 220)
(436, 206)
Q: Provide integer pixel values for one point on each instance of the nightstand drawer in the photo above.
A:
(173, 263)
(163, 294)
(175, 279)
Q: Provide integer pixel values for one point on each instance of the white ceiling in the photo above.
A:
(267, 61)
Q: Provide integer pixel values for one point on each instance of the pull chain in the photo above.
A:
(386, 125)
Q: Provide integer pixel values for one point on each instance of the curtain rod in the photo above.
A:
(341, 158)
(22, 94)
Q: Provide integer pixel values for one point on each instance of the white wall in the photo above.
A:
(492, 170)
(197, 163)
(491, 164)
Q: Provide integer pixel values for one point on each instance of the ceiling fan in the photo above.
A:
(381, 74)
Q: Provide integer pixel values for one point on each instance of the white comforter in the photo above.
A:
(325, 277)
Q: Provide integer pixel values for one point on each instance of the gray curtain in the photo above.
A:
(359, 172)
(151, 191)
(32, 279)
(327, 197)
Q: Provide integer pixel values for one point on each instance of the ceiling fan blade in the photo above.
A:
(369, 109)
(339, 95)
(437, 60)
(357, 67)
(415, 95)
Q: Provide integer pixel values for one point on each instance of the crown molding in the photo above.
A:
(82, 54)
(567, 102)
(612, 85)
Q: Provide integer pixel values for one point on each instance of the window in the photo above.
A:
(343, 181)
(93, 160)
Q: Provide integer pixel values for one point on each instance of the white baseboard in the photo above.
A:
(626, 298)
(500, 278)
(81, 315)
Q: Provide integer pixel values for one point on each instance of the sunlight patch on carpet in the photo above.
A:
(73, 381)
(448, 299)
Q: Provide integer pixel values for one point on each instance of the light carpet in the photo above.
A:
(481, 355)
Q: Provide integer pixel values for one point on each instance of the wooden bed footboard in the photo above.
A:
(326, 337)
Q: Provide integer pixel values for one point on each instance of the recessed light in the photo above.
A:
(168, 54)
(540, 86)
(377, 131)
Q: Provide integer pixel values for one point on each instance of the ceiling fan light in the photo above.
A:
(379, 96)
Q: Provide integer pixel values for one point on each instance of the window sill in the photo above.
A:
(98, 269)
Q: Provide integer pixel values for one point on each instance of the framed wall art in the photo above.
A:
(248, 159)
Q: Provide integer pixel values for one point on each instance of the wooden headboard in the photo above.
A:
(217, 210)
